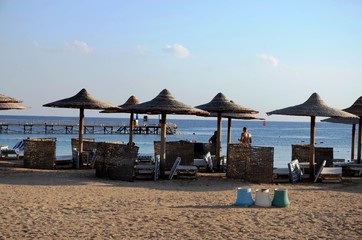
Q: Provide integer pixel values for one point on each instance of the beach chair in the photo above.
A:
(16, 150)
(204, 163)
(281, 175)
(146, 167)
(328, 174)
(183, 171)
(174, 167)
(295, 172)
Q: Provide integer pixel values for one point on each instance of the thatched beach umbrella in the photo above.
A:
(219, 105)
(127, 107)
(313, 107)
(82, 100)
(164, 103)
(8, 103)
(353, 122)
(356, 109)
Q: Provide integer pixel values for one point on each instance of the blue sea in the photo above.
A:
(280, 135)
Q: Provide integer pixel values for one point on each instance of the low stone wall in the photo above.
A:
(88, 144)
(188, 151)
(251, 164)
(115, 161)
(301, 152)
(40, 153)
(182, 149)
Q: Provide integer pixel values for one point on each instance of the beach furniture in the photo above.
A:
(204, 163)
(147, 167)
(329, 174)
(15, 151)
(349, 168)
(244, 197)
(182, 171)
(281, 175)
(174, 167)
(295, 172)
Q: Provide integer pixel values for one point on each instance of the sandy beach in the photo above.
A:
(74, 204)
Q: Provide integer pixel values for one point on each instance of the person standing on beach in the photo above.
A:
(213, 138)
(245, 138)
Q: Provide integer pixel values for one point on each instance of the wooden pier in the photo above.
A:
(59, 128)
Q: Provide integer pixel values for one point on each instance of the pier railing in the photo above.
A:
(72, 127)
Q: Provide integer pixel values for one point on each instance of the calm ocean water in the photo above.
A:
(280, 135)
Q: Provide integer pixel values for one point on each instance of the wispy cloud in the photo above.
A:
(78, 46)
(177, 50)
(269, 58)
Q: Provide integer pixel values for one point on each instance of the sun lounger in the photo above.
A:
(204, 163)
(182, 171)
(147, 168)
(186, 171)
(280, 175)
(350, 168)
(16, 150)
(292, 173)
(174, 167)
(295, 172)
(329, 174)
(63, 161)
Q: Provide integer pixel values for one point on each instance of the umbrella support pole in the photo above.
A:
(80, 138)
(353, 140)
(218, 142)
(163, 146)
(359, 141)
(311, 148)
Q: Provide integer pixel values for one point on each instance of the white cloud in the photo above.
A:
(78, 46)
(270, 59)
(177, 50)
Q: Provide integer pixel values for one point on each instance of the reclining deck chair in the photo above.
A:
(328, 174)
(16, 150)
(204, 163)
(148, 168)
(295, 173)
(182, 171)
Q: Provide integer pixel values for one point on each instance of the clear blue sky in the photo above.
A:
(264, 55)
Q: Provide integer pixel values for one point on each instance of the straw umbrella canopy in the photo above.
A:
(164, 103)
(82, 100)
(356, 109)
(127, 108)
(7, 103)
(313, 107)
(219, 105)
(351, 121)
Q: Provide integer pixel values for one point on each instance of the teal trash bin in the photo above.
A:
(281, 198)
